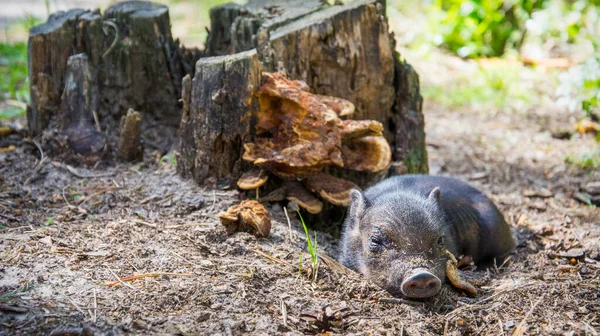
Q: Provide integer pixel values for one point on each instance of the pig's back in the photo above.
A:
(478, 228)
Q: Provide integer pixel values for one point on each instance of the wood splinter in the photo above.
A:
(130, 147)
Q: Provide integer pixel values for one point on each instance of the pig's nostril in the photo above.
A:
(421, 284)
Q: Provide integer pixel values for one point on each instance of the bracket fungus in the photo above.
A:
(247, 216)
(252, 179)
(300, 133)
(370, 153)
(297, 193)
(333, 189)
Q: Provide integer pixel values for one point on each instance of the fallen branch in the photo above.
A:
(141, 276)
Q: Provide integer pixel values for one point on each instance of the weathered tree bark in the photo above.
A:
(342, 51)
(135, 61)
(79, 103)
(50, 45)
(130, 130)
(221, 116)
(234, 27)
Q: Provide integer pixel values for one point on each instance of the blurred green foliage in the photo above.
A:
(481, 27)
(498, 86)
(490, 28)
(590, 160)
(14, 82)
(591, 85)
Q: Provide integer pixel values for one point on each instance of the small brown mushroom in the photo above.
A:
(370, 153)
(297, 193)
(247, 216)
(333, 189)
(252, 179)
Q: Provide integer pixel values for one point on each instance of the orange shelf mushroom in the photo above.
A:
(300, 133)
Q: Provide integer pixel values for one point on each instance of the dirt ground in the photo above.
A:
(69, 234)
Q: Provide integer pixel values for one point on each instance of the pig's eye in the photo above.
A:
(440, 242)
(375, 243)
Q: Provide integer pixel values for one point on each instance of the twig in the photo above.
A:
(64, 198)
(85, 199)
(114, 42)
(501, 327)
(137, 221)
(185, 225)
(9, 217)
(166, 227)
(75, 305)
(519, 329)
(284, 313)
(119, 279)
(144, 275)
(148, 199)
(289, 225)
(457, 310)
(96, 120)
(40, 164)
(398, 301)
(19, 227)
(270, 257)
(214, 202)
(334, 265)
(95, 307)
(75, 172)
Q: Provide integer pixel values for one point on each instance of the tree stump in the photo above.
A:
(221, 116)
(342, 51)
(313, 94)
(135, 63)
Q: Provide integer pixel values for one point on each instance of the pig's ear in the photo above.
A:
(434, 195)
(358, 205)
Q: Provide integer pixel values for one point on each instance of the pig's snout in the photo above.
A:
(420, 284)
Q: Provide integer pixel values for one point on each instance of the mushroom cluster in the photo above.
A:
(299, 134)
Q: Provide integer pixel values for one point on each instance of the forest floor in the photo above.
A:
(69, 234)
